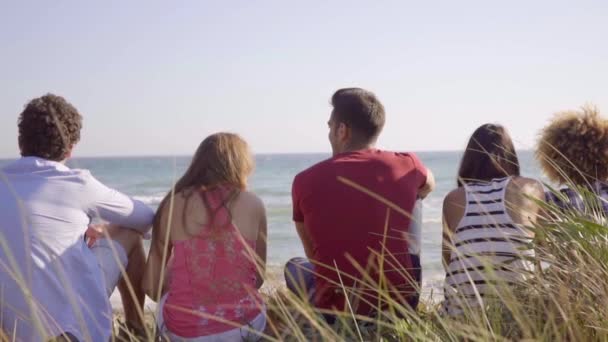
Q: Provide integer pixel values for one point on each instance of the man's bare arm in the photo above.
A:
(305, 238)
(428, 187)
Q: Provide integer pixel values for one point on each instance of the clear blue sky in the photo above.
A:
(156, 77)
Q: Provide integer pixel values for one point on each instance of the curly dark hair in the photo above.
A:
(573, 148)
(49, 126)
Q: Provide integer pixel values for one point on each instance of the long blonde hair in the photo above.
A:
(222, 159)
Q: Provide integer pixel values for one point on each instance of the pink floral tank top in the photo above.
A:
(212, 277)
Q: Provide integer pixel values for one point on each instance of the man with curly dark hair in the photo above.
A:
(49, 127)
(56, 270)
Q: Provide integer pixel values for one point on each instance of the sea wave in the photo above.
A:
(277, 207)
(150, 200)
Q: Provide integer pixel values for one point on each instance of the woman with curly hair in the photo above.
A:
(573, 152)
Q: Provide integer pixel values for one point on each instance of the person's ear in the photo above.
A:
(68, 154)
(343, 132)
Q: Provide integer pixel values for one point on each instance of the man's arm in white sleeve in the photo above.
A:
(117, 208)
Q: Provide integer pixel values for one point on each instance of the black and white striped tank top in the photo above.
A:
(489, 248)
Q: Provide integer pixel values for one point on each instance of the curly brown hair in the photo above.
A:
(49, 126)
(573, 148)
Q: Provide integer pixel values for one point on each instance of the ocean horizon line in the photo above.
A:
(262, 154)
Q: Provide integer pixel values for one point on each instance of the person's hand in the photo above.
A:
(95, 232)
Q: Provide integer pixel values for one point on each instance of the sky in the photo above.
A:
(157, 77)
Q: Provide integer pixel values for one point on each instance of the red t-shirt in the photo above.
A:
(346, 225)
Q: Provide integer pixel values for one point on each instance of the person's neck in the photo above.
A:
(359, 147)
(51, 160)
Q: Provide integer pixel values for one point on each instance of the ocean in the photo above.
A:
(149, 178)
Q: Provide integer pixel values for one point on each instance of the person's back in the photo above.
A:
(486, 222)
(213, 264)
(217, 244)
(491, 239)
(51, 279)
(342, 210)
(590, 200)
(348, 227)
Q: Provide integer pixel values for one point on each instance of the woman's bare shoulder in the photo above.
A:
(454, 197)
(177, 199)
(529, 186)
(251, 200)
(178, 202)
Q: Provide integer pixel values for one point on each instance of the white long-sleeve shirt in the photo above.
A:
(45, 208)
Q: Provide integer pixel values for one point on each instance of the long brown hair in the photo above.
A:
(490, 154)
(222, 159)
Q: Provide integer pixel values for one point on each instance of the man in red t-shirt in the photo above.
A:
(352, 213)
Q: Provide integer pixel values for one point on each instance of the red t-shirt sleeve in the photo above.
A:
(421, 170)
(298, 216)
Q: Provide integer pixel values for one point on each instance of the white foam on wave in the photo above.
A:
(151, 200)
(433, 202)
(277, 201)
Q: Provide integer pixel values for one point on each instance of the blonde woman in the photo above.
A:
(214, 230)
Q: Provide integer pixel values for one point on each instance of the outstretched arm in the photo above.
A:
(117, 208)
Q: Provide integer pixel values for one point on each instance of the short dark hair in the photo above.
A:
(490, 154)
(48, 127)
(361, 111)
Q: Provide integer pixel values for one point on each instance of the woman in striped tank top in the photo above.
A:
(486, 242)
